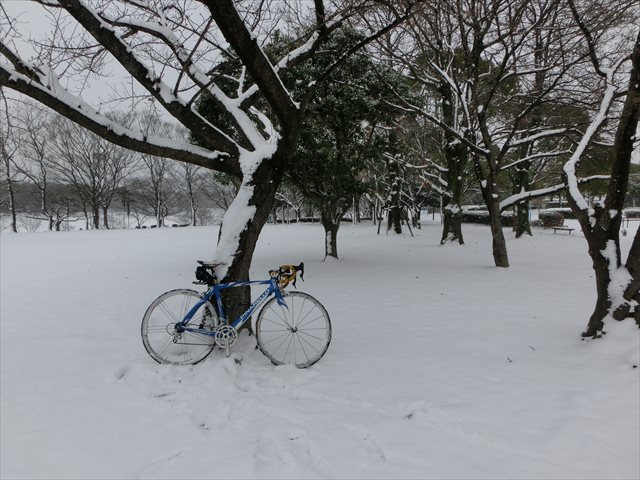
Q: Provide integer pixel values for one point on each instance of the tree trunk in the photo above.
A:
(602, 228)
(452, 224)
(105, 217)
(456, 158)
(193, 215)
(86, 216)
(331, 224)
(96, 216)
(9, 180)
(158, 211)
(488, 189)
(499, 244)
(522, 225)
(522, 182)
(632, 292)
(236, 243)
(597, 241)
(356, 210)
(395, 217)
(416, 217)
(12, 205)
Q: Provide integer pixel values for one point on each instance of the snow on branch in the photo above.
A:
(113, 42)
(203, 81)
(535, 156)
(541, 192)
(537, 136)
(47, 90)
(570, 167)
(246, 46)
(411, 108)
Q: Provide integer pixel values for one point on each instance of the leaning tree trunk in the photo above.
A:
(239, 232)
(598, 237)
(602, 228)
(632, 292)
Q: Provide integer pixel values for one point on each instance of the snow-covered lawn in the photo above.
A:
(441, 366)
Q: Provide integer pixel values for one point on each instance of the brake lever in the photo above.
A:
(300, 268)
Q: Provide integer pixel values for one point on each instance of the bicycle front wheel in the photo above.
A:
(161, 339)
(298, 334)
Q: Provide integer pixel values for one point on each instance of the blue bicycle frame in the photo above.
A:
(216, 291)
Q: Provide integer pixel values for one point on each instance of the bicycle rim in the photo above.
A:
(159, 335)
(298, 334)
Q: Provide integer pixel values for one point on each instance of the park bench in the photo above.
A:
(565, 229)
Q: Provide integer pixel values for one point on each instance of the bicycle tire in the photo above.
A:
(159, 336)
(298, 334)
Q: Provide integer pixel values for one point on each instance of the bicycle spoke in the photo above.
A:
(188, 352)
(302, 347)
(304, 300)
(281, 343)
(167, 312)
(309, 335)
(277, 337)
(310, 346)
(305, 317)
(298, 334)
(313, 320)
(166, 344)
(279, 324)
(158, 337)
(287, 350)
(284, 313)
(157, 329)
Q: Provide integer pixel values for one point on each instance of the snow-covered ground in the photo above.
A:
(441, 365)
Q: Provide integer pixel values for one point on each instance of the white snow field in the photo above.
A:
(441, 365)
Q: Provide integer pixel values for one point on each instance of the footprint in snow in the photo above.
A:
(418, 411)
(121, 372)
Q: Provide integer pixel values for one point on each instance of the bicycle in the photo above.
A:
(183, 326)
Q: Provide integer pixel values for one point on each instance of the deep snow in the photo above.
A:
(441, 365)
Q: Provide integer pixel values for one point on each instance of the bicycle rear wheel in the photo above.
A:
(298, 335)
(160, 337)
